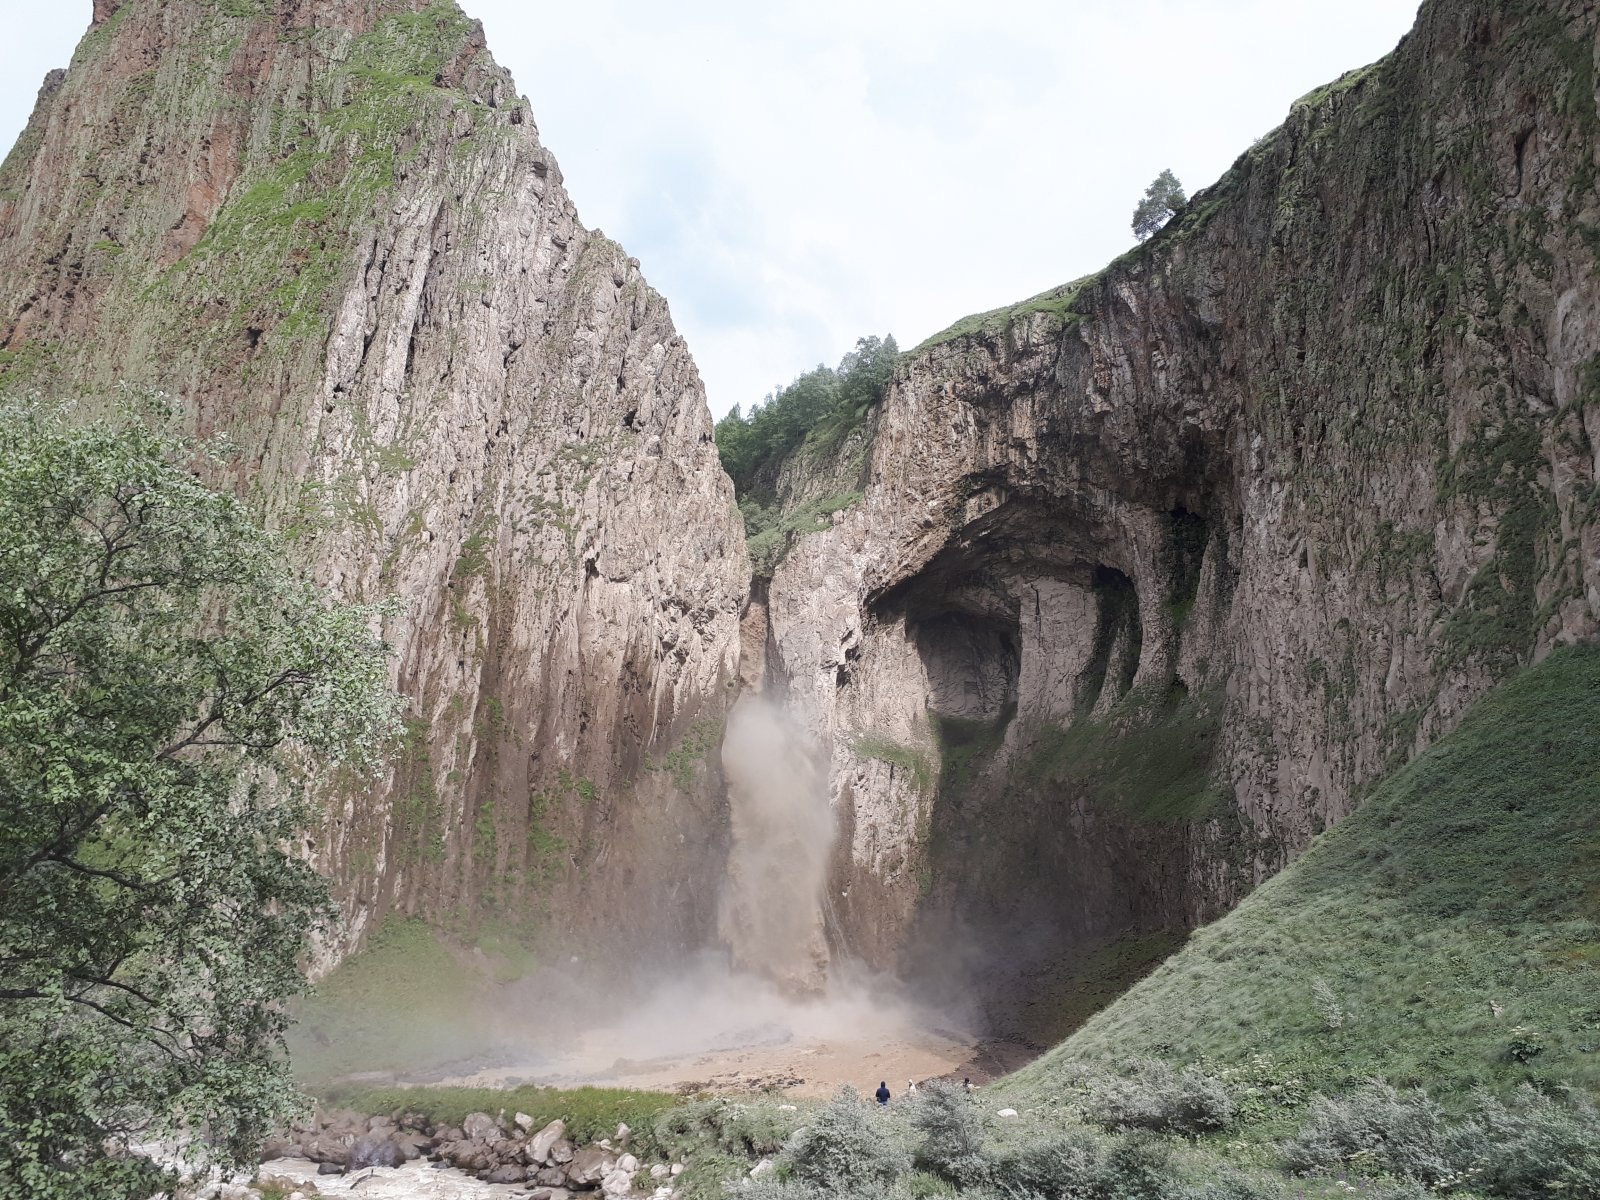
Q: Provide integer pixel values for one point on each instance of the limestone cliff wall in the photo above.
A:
(1154, 573)
(329, 228)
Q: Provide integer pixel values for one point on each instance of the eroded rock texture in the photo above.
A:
(1154, 573)
(328, 227)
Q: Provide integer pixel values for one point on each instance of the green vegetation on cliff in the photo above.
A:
(818, 411)
(814, 420)
(1446, 935)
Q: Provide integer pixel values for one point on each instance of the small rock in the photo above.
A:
(622, 1134)
(551, 1177)
(480, 1127)
(379, 1124)
(1006, 1112)
(787, 1108)
(329, 1168)
(628, 1163)
(524, 1122)
(506, 1173)
(677, 1169)
(764, 1167)
(562, 1151)
(659, 1171)
(617, 1184)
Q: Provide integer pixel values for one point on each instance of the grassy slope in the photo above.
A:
(405, 1001)
(1469, 879)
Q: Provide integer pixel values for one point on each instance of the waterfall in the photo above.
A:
(783, 831)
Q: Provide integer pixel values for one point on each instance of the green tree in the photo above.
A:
(820, 408)
(166, 688)
(1161, 200)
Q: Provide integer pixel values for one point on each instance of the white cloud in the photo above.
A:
(794, 175)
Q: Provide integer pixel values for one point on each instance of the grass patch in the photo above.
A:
(908, 758)
(404, 1001)
(770, 532)
(1148, 760)
(1057, 301)
(1446, 935)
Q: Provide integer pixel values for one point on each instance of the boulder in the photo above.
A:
(379, 1124)
(628, 1163)
(413, 1145)
(549, 1193)
(622, 1135)
(544, 1141)
(659, 1171)
(617, 1184)
(276, 1147)
(764, 1167)
(590, 1165)
(562, 1151)
(480, 1127)
(375, 1150)
(326, 1150)
(524, 1122)
(551, 1177)
(507, 1173)
(329, 1168)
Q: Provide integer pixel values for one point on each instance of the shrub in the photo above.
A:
(953, 1129)
(1157, 1098)
(734, 1129)
(1078, 1164)
(841, 1153)
(1062, 1166)
(1536, 1146)
(1376, 1128)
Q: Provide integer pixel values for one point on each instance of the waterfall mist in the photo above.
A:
(783, 831)
(768, 1006)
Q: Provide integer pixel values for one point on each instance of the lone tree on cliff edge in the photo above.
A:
(165, 682)
(1161, 199)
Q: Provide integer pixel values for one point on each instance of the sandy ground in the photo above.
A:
(732, 1034)
(797, 1066)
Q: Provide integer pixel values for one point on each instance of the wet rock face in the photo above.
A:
(1271, 500)
(331, 232)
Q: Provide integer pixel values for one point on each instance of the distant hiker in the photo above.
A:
(883, 1092)
(966, 1084)
(911, 1087)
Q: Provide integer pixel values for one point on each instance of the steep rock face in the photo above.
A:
(329, 229)
(1155, 572)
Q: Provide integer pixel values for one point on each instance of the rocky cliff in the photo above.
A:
(1156, 572)
(328, 227)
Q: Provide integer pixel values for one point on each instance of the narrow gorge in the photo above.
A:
(1104, 609)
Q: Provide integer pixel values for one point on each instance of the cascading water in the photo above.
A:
(783, 830)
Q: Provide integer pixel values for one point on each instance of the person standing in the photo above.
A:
(883, 1092)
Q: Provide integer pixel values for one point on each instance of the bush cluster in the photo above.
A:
(1158, 1098)
(1533, 1146)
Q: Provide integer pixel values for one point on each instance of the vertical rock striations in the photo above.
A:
(329, 228)
(1181, 557)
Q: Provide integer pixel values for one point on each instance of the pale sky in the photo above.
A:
(793, 175)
